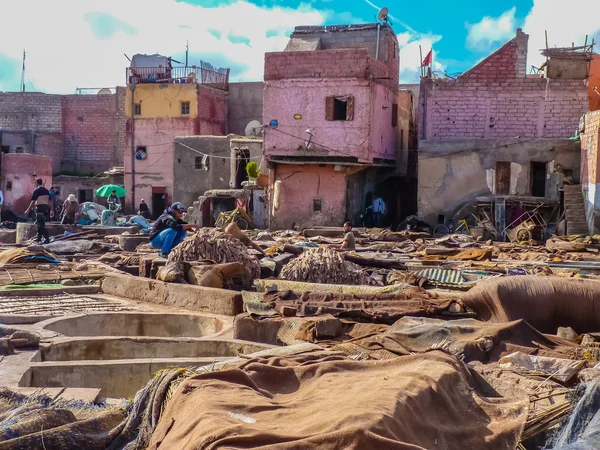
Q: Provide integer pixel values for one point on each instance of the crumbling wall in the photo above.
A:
(454, 173)
(590, 175)
(303, 189)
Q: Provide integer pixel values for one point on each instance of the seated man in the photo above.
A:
(143, 210)
(169, 229)
(349, 242)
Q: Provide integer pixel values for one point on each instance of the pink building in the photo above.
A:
(337, 124)
(178, 101)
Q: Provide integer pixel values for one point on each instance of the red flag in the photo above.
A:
(427, 60)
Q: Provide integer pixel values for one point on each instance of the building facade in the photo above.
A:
(497, 131)
(158, 111)
(336, 129)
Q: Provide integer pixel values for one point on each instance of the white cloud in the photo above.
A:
(484, 34)
(64, 50)
(567, 22)
(410, 56)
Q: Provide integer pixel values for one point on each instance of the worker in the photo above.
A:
(70, 210)
(378, 208)
(41, 200)
(114, 203)
(235, 231)
(349, 242)
(143, 210)
(53, 204)
(169, 230)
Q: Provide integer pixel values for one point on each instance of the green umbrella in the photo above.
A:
(107, 189)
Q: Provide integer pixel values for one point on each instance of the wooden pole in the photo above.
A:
(421, 61)
(546, 67)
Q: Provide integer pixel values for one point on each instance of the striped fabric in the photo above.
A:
(445, 276)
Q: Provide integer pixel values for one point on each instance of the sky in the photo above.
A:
(82, 43)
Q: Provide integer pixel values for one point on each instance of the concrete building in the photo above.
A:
(202, 163)
(337, 128)
(82, 134)
(496, 131)
(179, 101)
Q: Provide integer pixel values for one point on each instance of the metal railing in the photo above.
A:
(191, 74)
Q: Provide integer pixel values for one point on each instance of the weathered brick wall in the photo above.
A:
(317, 64)
(79, 132)
(496, 99)
(212, 112)
(590, 141)
(30, 111)
(94, 130)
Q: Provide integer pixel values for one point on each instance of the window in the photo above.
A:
(339, 108)
(9, 185)
(316, 205)
(85, 195)
(185, 108)
(19, 150)
(538, 178)
(141, 152)
(394, 115)
(201, 162)
(5, 149)
(137, 109)
(502, 178)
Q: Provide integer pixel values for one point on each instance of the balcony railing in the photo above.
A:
(191, 74)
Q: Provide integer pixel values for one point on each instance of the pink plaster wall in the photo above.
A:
(22, 169)
(285, 98)
(300, 185)
(157, 169)
(384, 137)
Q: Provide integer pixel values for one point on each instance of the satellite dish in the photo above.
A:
(104, 91)
(383, 15)
(253, 129)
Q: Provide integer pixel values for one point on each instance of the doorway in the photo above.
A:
(243, 158)
(158, 205)
(502, 178)
(538, 179)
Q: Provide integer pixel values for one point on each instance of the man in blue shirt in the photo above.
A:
(169, 230)
(378, 208)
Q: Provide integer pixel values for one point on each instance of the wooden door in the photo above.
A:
(502, 178)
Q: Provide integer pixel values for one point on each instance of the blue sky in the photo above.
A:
(80, 43)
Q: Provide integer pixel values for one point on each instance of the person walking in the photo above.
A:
(40, 199)
(169, 230)
(378, 208)
(70, 210)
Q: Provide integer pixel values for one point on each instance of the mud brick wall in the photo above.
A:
(212, 112)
